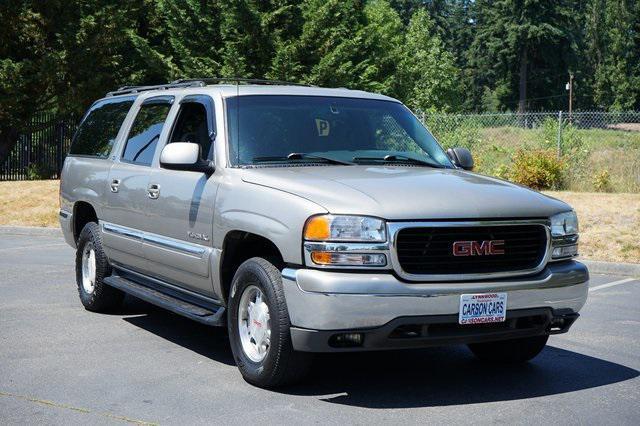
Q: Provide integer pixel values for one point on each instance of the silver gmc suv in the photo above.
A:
(311, 220)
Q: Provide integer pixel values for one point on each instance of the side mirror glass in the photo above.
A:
(184, 156)
(461, 157)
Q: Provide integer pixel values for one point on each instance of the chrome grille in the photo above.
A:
(424, 250)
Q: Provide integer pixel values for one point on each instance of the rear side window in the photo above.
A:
(98, 130)
(145, 132)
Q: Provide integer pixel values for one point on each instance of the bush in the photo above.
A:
(602, 181)
(502, 172)
(538, 169)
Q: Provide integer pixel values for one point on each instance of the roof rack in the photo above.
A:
(200, 82)
(124, 90)
(238, 80)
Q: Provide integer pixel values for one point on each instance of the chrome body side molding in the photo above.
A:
(155, 239)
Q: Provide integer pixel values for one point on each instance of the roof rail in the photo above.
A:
(125, 90)
(238, 80)
(200, 82)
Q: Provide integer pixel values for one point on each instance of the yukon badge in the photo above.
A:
(198, 236)
(478, 248)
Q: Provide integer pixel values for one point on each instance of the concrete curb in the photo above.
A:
(31, 231)
(612, 268)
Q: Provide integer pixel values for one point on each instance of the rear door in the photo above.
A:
(180, 217)
(127, 199)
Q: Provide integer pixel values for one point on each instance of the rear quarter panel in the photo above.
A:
(84, 179)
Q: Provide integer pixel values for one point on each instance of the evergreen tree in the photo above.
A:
(524, 48)
(429, 79)
(613, 53)
(190, 37)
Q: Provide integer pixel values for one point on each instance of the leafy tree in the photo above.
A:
(613, 53)
(245, 47)
(28, 69)
(428, 76)
(190, 38)
(523, 47)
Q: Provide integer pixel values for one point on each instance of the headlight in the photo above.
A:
(345, 241)
(564, 235)
(564, 224)
(345, 228)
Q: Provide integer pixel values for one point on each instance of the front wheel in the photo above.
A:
(258, 322)
(510, 351)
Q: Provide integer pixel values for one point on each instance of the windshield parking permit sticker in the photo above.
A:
(323, 127)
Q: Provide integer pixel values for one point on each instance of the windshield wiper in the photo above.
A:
(302, 156)
(395, 158)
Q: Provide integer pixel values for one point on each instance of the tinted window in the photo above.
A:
(191, 126)
(264, 129)
(98, 130)
(145, 132)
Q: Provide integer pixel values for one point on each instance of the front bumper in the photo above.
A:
(322, 304)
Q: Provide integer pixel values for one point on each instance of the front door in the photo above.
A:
(180, 217)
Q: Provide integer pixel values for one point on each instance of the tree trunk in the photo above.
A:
(522, 87)
(8, 139)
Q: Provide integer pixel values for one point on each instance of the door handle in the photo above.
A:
(154, 191)
(115, 185)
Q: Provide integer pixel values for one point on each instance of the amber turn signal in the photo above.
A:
(317, 228)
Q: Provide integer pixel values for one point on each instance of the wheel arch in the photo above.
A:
(239, 246)
(83, 213)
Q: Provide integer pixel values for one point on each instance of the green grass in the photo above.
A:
(586, 152)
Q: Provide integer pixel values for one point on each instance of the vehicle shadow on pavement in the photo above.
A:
(211, 342)
(429, 377)
(451, 376)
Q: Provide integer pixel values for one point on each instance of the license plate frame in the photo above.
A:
(482, 308)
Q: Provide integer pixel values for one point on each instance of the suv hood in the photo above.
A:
(407, 193)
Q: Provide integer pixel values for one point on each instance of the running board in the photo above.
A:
(197, 313)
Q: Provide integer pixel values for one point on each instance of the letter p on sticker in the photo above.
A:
(323, 127)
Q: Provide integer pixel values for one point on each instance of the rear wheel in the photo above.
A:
(258, 322)
(92, 267)
(510, 351)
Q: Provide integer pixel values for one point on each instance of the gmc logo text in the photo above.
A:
(478, 248)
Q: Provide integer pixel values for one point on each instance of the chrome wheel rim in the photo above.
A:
(254, 324)
(89, 268)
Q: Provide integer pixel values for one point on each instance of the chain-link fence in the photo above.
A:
(594, 150)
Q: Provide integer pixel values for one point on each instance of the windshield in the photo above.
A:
(264, 129)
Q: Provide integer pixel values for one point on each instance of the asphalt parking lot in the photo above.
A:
(60, 364)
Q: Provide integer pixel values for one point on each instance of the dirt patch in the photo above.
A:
(609, 224)
(29, 203)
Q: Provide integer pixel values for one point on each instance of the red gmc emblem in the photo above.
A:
(478, 248)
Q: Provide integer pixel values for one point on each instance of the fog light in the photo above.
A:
(565, 251)
(348, 259)
(346, 340)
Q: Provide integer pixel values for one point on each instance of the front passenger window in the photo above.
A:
(191, 126)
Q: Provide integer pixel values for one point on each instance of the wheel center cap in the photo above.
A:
(257, 321)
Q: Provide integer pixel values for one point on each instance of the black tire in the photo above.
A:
(103, 298)
(510, 351)
(282, 365)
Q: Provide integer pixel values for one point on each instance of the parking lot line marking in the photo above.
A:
(611, 284)
(78, 409)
